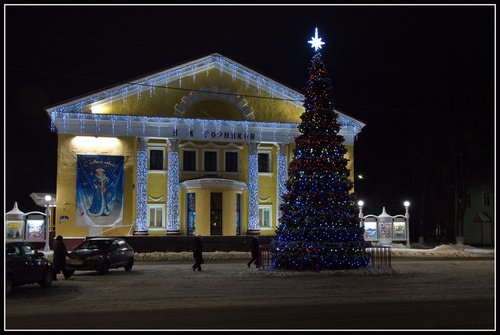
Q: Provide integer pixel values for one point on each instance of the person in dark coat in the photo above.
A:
(59, 258)
(255, 252)
(197, 254)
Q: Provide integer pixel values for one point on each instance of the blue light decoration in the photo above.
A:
(173, 188)
(318, 229)
(141, 188)
(282, 178)
(253, 189)
(153, 126)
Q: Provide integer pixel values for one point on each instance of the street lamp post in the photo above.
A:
(48, 198)
(407, 216)
(360, 206)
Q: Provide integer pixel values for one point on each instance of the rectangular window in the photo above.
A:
(265, 216)
(210, 160)
(231, 161)
(264, 162)
(155, 216)
(155, 159)
(486, 199)
(188, 160)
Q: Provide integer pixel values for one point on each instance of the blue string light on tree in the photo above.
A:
(318, 229)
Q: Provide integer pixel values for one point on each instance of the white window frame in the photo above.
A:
(237, 161)
(158, 148)
(217, 167)
(270, 209)
(196, 166)
(156, 207)
(270, 155)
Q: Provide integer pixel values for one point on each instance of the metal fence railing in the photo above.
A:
(264, 261)
(380, 258)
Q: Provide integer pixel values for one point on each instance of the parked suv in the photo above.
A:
(26, 265)
(101, 254)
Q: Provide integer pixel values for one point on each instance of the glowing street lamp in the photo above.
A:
(48, 198)
(407, 216)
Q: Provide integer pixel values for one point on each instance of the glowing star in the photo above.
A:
(316, 42)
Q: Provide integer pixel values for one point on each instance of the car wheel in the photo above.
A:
(9, 285)
(46, 280)
(104, 267)
(129, 265)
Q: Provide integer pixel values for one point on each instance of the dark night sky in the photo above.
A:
(416, 75)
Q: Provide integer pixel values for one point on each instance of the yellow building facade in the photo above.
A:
(198, 149)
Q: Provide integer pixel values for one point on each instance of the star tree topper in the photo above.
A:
(316, 42)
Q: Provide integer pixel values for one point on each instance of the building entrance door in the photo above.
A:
(215, 213)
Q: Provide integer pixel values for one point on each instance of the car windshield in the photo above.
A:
(96, 244)
(28, 250)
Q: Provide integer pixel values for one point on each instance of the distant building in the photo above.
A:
(201, 148)
(479, 223)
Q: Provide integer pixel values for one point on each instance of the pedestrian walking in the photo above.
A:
(197, 254)
(59, 258)
(255, 252)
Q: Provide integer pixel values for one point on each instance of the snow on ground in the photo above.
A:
(397, 250)
(444, 250)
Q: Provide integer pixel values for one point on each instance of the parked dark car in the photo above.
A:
(101, 254)
(26, 265)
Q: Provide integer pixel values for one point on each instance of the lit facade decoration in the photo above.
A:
(207, 142)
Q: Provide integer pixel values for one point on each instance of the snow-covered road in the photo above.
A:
(454, 293)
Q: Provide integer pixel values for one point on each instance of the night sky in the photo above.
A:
(419, 77)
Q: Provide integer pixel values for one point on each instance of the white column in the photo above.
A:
(141, 188)
(253, 190)
(360, 214)
(281, 177)
(173, 227)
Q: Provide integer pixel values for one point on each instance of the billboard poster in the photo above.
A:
(99, 190)
(15, 230)
(370, 230)
(35, 229)
(399, 230)
(385, 230)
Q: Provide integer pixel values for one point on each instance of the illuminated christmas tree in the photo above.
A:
(318, 229)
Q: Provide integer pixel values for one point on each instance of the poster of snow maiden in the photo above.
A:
(99, 190)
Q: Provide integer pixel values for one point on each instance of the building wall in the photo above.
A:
(71, 146)
(350, 163)
(477, 232)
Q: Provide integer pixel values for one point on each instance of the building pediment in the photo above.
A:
(213, 87)
(184, 78)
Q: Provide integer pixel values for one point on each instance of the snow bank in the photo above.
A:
(398, 250)
(439, 251)
(188, 256)
(445, 250)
